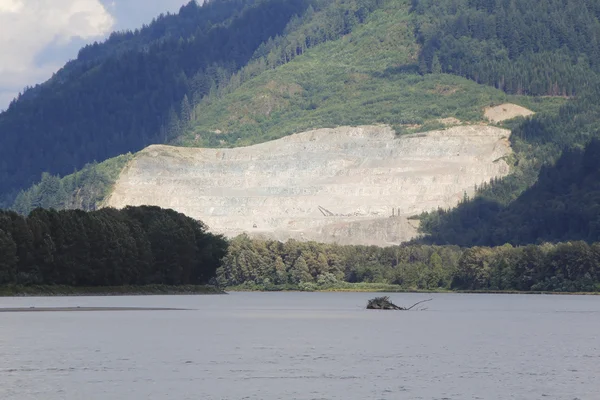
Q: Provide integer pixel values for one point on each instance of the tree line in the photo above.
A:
(108, 247)
(569, 266)
(149, 245)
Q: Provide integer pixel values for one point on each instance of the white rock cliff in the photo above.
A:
(352, 185)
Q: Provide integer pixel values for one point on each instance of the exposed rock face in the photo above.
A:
(348, 184)
(506, 111)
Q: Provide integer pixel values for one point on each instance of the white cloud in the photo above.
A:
(11, 6)
(37, 37)
(29, 26)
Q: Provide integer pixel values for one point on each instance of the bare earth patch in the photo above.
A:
(506, 111)
(63, 309)
(450, 121)
(350, 185)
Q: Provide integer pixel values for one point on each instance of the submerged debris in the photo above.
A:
(384, 303)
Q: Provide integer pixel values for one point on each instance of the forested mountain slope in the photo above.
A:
(547, 47)
(345, 63)
(385, 69)
(370, 75)
(412, 65)
(126, 93)
(561, 205)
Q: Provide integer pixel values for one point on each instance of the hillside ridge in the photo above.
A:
(416, 66)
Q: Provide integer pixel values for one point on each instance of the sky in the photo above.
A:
(37, 37)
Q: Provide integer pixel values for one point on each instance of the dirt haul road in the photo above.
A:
(351, 185)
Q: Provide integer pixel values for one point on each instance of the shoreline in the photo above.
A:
(142, 290)
(379, 289)
(86, 309)
(159, 290)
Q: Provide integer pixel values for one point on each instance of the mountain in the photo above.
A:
(412, 65)
(126, 93)
(562, 205)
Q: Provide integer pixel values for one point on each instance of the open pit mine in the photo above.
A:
(350, 185)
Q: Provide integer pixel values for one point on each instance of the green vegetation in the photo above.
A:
(369, 76)
(133, 90)
(549, 49)
(546, 48)
(338, 62)
(552, 195)
(135, 246)
(142, 250)
(320, 22)
(267, 265)
(84, 189)
(237, 72)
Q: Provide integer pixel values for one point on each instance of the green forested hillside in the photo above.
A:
(132, 90)
(84, 189)
(563, 204)
(371, 75)
(321, 22)
(341, 63)
(406, 63)
(544, 47)
(388, 69)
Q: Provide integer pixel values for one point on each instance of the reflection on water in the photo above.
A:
(303, 346)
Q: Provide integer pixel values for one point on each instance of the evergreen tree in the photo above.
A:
(8, 258)
(299, 271)
(436, 67)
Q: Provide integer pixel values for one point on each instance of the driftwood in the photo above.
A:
(384, 303)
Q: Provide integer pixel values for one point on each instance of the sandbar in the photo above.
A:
(50, 309)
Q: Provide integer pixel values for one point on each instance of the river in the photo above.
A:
(302, 346)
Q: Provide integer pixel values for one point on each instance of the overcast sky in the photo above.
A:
(37, 37)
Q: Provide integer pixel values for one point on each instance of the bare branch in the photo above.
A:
(422, 301)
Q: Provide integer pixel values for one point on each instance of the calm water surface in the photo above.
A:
(303, 346)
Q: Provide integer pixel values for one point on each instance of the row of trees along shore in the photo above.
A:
(108, 247)
(149, 245)
(259, 264)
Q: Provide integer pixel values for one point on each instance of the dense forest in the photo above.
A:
(562, 205)
(548, 47)
(552, 194)
(133, 90)
(271, 265)
(149, 245)
(133, 246)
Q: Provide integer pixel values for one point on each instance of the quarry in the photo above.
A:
(349, 185)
